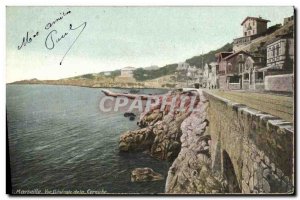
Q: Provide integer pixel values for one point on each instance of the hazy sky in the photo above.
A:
(116, 37)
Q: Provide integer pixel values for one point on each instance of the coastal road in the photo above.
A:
(277, 105)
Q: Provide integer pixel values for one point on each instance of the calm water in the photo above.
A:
(59, 139)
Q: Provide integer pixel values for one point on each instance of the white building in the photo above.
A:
(107, 73)
(210, 79)
(183, 66)
(212, 76)
(127, 72)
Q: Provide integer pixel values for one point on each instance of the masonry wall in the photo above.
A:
(234, 86)
(282, 83)
(223, 83)
(260, 146)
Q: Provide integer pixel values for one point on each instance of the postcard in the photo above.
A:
(150, 100)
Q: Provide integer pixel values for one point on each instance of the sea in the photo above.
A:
(60, 140)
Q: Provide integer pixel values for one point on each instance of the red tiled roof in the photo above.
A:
(255, 18)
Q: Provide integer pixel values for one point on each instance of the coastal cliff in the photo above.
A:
(219, 146)
(181, 137)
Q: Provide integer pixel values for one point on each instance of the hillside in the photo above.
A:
(142, 74)
(259, 44)
(144, 77)
(208, 57)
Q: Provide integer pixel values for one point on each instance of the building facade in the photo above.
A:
(240, 71)
(183, 66)
(253, 27)
(288, 19)
(279, 52)
(212, 77)
(127, 72)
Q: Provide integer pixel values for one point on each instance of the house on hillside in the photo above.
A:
(209, 76)
(253, 27)
(239, 71)
(127, 72)
(288, 19)
(187, 73)
(183, 66)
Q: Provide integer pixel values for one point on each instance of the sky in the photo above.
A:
(116, 37)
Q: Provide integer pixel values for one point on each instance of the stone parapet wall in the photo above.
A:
(258, 145)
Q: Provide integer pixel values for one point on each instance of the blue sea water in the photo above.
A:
(60, 140)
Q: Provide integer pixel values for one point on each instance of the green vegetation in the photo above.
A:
(141, 74)
(208, 57)
(113, 74)
(87, 76)
(273, 28)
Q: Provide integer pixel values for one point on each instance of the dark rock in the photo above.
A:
(145, 174)
(129, 114)
(131, 118)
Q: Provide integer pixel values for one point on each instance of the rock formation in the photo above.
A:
(160, 128)
(191, 171)
(145, 174)
(182, 137)
(190, 140)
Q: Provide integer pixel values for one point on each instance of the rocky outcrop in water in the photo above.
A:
(182, 138)
(160, 127)
(145, 174)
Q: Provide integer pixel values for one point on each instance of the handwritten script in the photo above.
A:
(54, 37)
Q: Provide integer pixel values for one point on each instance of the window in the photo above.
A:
(229, 67)
(234, 79)
(260, 77)
(277, 50)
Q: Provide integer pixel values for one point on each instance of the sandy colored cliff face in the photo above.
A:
(160, 129)
(191, 171)
(181, 137)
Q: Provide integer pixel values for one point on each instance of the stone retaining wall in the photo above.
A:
(282, 83)
(259, 146)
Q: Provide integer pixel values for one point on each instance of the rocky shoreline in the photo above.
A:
(180, 137)
(92, 84)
